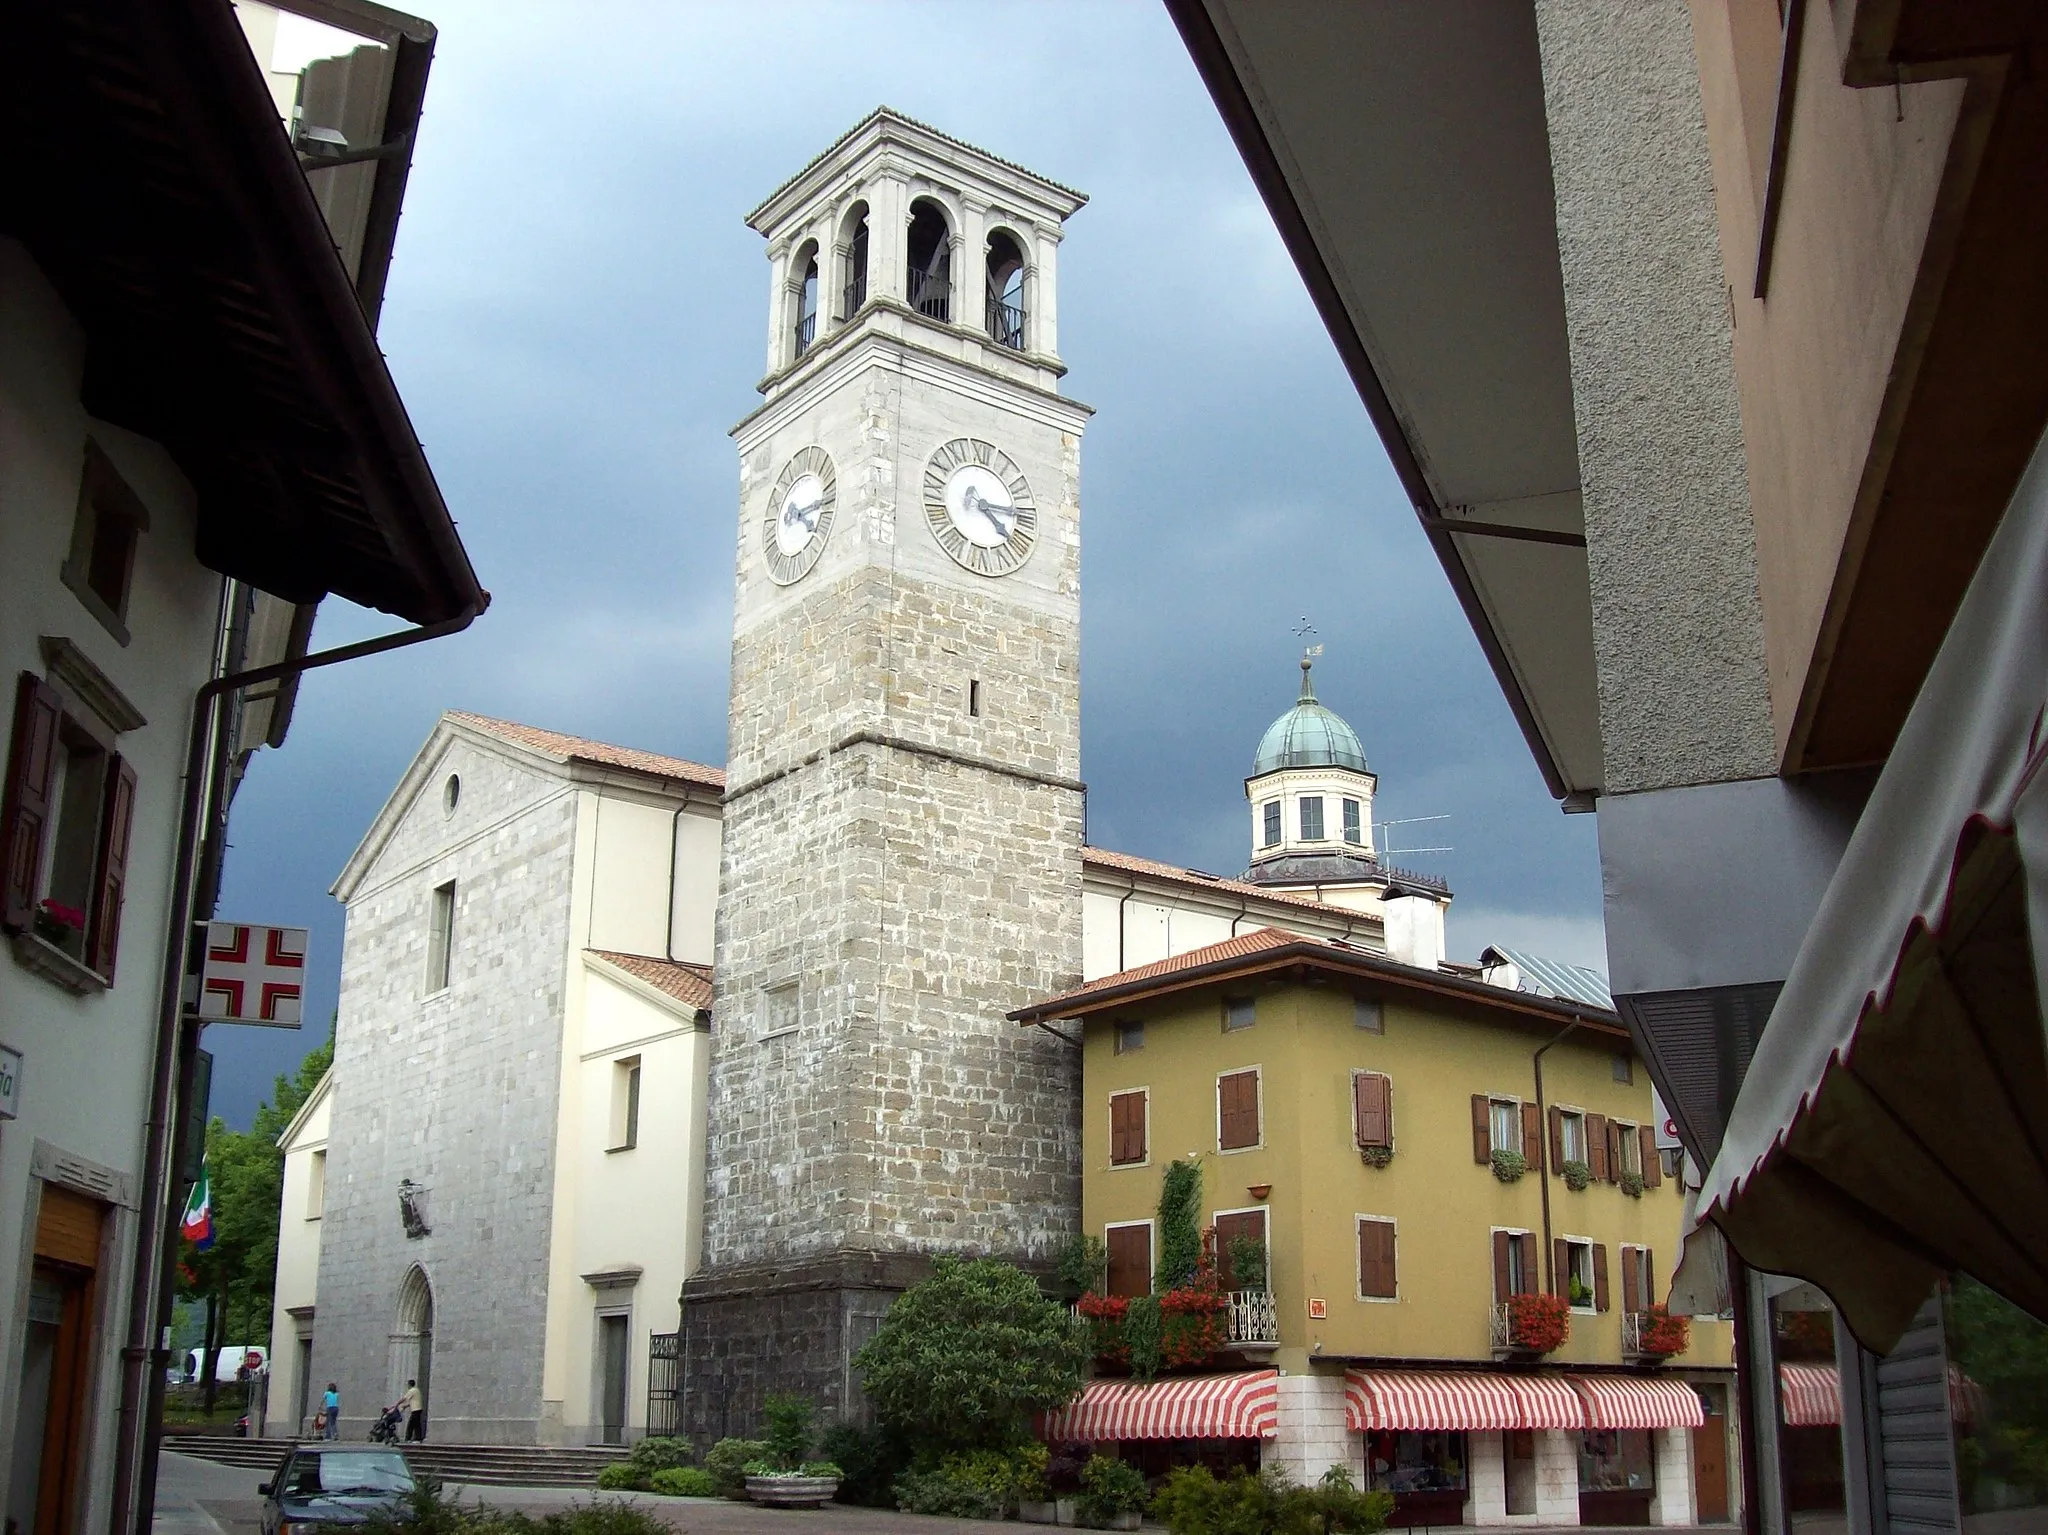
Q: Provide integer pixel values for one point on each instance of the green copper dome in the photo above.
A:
(1307, 736)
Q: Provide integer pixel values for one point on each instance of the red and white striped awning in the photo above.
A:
(1423, 1399)
(1630, 1401)
(1812, 1394)
(1241, 1406)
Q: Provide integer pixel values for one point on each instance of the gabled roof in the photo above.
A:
(1195, 879)
(1271, 953)
(314, 1099)
(688, 984)
(566, 748)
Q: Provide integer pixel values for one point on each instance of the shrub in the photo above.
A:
(1083, 1265)
(427, 1512)
(791, 1421)
(871, 1458)
(1063, 1469)
(1108, 1488)
(1577, 1174)
(684, 1482)
(820, 1468)
(656, 1453)
(622, 1476)
(1508, 1166)
(1192, 1501)
(1144, 1336)
(940, 1491)
(1030, 1467)
(963, 1360)
(727, 1462)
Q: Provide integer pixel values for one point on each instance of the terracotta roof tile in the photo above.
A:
(688, 984)
(1130, 863)
(564, 748)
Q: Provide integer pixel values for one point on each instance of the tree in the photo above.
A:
(963, 1360)
(237, 1276)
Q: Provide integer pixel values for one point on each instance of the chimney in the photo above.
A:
(1414, 927)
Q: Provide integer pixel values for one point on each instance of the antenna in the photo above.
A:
(1409, 852)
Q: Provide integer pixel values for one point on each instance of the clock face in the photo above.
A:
(979, 507)
(799, 516)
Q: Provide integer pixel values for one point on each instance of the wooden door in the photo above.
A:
(1710, 1465)
(56, 1385)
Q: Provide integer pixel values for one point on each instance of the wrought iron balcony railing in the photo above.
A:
(1006, 323)
(1254, 1320)
(806, 332)
(931, 295)
(856, 295)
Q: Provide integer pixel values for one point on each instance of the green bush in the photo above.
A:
(871, 1458)
(819, 1468)
(1193, 1501)
(428, 1512)
(727, 1463)
(791, 1425)
(975, 1484)
(1108, 1488)
(939, 1491)
(1508, 1166)
(656, 1453)
(1577, 1174)
(1083, 1265)
(1247, 1256)
(622, 1476)
(963, 1360)
(684, 1482)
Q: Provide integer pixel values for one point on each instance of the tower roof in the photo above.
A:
(1309, 735)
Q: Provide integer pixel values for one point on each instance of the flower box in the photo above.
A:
(1537, 1324)
(1662, 1334)
(792, 1491)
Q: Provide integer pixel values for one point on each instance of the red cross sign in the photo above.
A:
(253, 974)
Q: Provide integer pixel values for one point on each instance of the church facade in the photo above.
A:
(891, 862)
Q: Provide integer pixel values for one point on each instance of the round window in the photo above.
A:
(451, 793)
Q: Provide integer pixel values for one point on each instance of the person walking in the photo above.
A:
(415, 1406)
(330, 1410)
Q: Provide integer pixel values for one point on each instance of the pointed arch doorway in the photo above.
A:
(412, 1339)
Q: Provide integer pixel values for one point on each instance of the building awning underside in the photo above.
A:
(148, 175)
(1893, 1123)
(1245, 1405)
(1422, 1400)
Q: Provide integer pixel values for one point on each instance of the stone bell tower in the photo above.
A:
(903, 817)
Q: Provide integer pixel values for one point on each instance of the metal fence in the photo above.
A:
(664, 1384)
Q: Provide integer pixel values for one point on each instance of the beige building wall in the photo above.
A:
(292, 1402)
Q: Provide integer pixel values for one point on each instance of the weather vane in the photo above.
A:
(1302, 631)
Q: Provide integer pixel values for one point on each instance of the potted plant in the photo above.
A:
(783, 1478)
(1112, 1495)
(1030, 1488)
(1376, 1156)
(1664, 1334)
(1577, 1175)
(1063, 1470)
(1105, 1316)
(1508, 1166)
(1632, 1185)
(57, 923)
(1582, 1294)
(1538, 1323)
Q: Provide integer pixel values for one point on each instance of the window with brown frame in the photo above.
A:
(1237, 1110)
(1377, 1276)
(1514, 1264)
(1372, 1109)
(1130, 1258)
(1127, 1128)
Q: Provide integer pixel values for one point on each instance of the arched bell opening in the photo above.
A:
(805, 328)
(853, 292)
(1005, 317)
(930, 289)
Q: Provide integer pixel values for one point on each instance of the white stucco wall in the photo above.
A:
(298, 1263)
(1128, 921)
(85, 1072)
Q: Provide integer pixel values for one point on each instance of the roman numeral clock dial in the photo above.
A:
(979, 507)
(799, 516)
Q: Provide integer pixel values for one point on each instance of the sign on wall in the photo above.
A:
(1667, 1127)
(253, 974)
(10, 1082)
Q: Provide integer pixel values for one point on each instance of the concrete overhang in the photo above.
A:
(1403, 153)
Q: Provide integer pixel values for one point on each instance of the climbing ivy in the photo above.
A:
(1180, 1225)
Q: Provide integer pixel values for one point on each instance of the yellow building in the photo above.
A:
(1399, 1138)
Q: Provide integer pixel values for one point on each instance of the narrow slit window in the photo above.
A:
(1270, 831)
(625, 1104)
(974, 698)
(441, 938)
(1354, 830)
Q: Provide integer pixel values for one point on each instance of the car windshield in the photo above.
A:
(346, 1471)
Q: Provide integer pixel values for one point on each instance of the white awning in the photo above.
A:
(1894, 1120)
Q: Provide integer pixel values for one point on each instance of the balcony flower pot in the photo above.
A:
(792, 1489)
(1105, 1316)
(1632, 1185)
(1577, 1175)
(1194, 1322)
(1508, 1166)
(1664, 1334)
(1376, 1156)
(1537, 1324)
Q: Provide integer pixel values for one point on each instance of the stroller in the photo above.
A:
(385, 1429)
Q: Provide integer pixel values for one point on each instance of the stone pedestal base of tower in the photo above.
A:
(749, 1332)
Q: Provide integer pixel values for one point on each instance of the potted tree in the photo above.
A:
(783, 1478)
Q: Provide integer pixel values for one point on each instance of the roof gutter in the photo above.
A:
(1212, 60)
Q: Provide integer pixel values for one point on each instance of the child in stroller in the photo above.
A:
(385, 1429)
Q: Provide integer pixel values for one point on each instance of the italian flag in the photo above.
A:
(197, 1225)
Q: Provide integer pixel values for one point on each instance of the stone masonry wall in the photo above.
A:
(456, 1091)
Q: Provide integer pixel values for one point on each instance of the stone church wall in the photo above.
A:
(481, 1142)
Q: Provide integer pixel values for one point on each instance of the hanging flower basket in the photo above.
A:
(1632, 1185)
(1664, 1334)
(1577, 1175)
(1538, 1323)
(1376, 1156)
(1508, 1166)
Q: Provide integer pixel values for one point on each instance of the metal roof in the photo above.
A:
(1309, 735)
(1555, 978)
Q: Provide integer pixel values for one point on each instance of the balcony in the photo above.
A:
(1254, 1321)
(1006, 323)
(1529, 1326)
(931, 294)
(806, 332)
(1653, 1336)
(856, 294)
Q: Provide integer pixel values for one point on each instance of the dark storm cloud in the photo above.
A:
(576, 319)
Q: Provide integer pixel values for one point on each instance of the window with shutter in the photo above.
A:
(1647, 1158)
(31, 782)
(1528, 1274)
(1503, 1274)
(1532, 1136)
(1236, 1225)
(1482, 1129)
(1377, 1279)
(1373, 1109)
(1628, 1148)
(1631, 1280)
(1596, 1146)
(1237, 1111)
(1505, 1128)
(1130, 1258)
(117, 817)
(1572, 1134)
(1127, 1128)
(1556, 1138)
(1600, 1297)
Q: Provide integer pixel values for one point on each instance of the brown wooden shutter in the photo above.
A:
(1500, 1264)
(1130, 1260)
(1615, 1165)
(1127, 1127)
(1482, 1129)
(1560, 1267)
(1238, 1110)
(1647, 1275)
(1374, 1101)
(1600, 1298)
(1653, 1164)
(25, 810)
(1376, 1276)
(1631, 1281)
(1532, 1272)
(1119, 1118)
(110, 865)
(1532, 1135)
(1556, 1138)
(1596, 1145)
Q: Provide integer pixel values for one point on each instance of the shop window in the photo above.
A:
(1269, 814)
(1354, 829)
(1127, 1116)
(1237, 1111)
(1130, 1035)
(1801, 1339)
(1998, 1405)
(1616, 1461)
(1239, 1013)
(1130, 1258)
(1311, 817)
(1424, 1471)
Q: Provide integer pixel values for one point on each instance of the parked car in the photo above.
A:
(321, 1485)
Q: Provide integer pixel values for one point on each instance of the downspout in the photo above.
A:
(675, 837)
(1543, 1151)
(1244, 904)
(142, 1357)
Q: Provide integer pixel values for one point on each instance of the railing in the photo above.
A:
(1647, 1335)
(806, 332)
(856, 295)
(1502, 1330)
(664, 1382)
(931, 295)
(1254, 1319)
(1006, 323)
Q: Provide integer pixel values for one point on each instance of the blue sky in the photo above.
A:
(575, 319)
